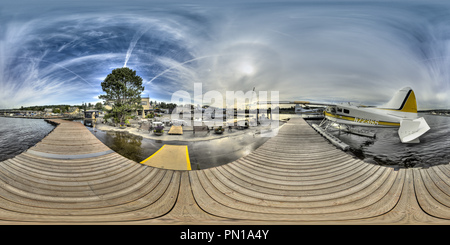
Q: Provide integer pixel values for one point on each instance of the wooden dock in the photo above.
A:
(176, 130)
(296, 177)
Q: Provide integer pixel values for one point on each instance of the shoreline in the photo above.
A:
(55, 117)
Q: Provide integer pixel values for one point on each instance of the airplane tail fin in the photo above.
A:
(410, 129)
(404, 100)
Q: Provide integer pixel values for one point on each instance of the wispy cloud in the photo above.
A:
(52, 53)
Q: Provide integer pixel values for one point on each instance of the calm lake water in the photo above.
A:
(19, 134)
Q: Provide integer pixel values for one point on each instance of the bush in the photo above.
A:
(158, 129)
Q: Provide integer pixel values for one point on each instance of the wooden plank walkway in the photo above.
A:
(176, 130)
(296, 177)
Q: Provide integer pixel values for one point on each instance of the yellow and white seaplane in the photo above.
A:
(400, 111)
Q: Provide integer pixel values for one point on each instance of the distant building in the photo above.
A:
(145, 103)
(91, 114)
(48, 111)
(73, 109)
(107, 105)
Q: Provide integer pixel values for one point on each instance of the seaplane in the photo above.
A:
(306, 110)
(400, 111)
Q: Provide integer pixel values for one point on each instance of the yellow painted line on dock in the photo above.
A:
(188, 161)
(153, 154)
(175, 157)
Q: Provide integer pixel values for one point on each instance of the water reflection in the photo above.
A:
(203, 154)
(125, 144)
(89, 122)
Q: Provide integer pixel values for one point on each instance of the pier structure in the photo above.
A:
(295, 177)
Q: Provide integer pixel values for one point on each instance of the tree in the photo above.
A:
(98, 106)
(171, 106)
(122, 87)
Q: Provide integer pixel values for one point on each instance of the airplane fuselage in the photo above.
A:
(366, 116)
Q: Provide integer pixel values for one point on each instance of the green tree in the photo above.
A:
(122, 87)
(98, 106)
(171, 106)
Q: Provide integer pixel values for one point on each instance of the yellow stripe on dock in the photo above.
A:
(153, 154)
(188, 161)
(175, 157)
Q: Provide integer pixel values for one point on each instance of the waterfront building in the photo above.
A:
(146, 107)
(145, 103)
(73, 109)
(91, 114)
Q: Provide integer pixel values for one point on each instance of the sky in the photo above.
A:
(59, 52)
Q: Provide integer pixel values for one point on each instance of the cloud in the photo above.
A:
(52, 53)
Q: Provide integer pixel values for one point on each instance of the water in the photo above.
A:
(387, 149)
(19, 134)
(203, 154)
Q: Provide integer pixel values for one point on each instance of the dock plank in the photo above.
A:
(176, 130)
(295, 177)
